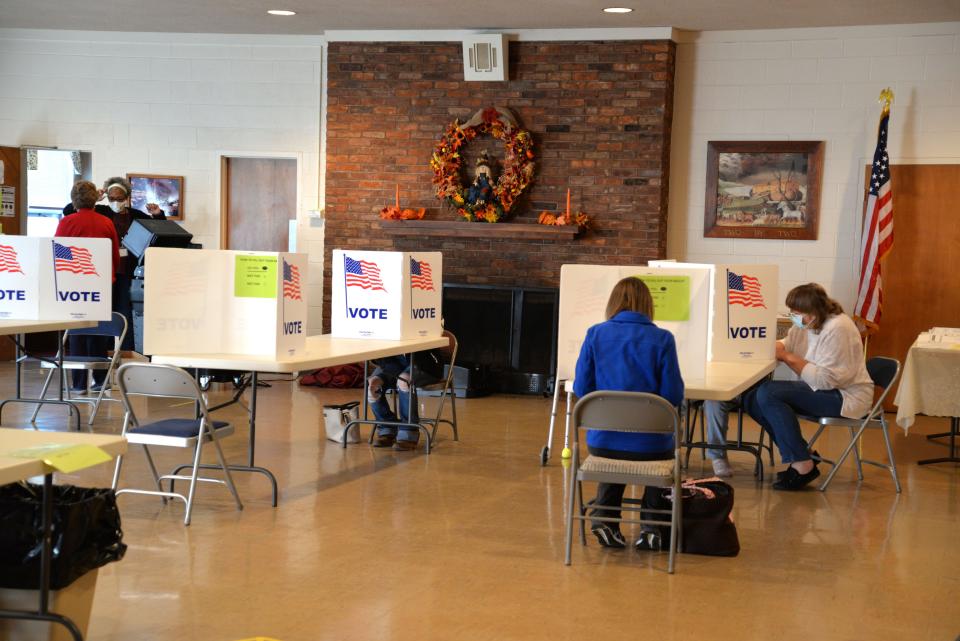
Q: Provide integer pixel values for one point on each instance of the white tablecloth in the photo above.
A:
(930, 383)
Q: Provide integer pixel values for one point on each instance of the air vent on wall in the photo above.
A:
(485, 57)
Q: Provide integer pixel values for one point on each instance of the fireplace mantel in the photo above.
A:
(464, 229)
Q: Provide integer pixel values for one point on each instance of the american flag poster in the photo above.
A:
(76, 260)
(291, 281)
(8, 260)
(421, 276)
(744, 290)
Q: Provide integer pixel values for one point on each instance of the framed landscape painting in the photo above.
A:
(761, 189)
(153, 194)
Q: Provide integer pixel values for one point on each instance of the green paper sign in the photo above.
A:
(671, 296)
(255, 277)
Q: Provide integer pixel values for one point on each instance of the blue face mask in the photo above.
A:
(797, 320)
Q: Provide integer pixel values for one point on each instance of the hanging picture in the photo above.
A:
(153, 194)
(763, 189)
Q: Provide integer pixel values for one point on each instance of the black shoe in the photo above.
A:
(793, 480)
(649, 540)
(387, 440)
(814, 455)
(608, 537)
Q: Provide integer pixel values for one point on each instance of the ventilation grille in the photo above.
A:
(484, 57)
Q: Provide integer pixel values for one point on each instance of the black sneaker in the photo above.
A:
(793, 480)
(814, 455)
(649, 540)
(608, 537)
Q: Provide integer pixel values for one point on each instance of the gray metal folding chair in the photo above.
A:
(167, 381)
(884, 372)
(443, 389)
(624, 412)
(115, 328)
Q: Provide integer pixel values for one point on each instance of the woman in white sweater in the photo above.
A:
(825, 350)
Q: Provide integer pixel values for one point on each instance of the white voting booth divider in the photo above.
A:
(55, 278)
(386, 295)
(715, 312)
(209, 301)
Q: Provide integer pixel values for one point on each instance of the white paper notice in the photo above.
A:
(7, 198)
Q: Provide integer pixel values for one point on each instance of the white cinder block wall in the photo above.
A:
(810, 84)
(172, 104)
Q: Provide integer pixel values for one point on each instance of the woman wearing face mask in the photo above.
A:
(824, 349)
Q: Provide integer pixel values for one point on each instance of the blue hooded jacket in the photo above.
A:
(629, 353)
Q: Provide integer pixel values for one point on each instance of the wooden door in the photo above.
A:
(921, 280)
(259, 197)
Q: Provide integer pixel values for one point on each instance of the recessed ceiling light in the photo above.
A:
(281, 12)
(617, 10)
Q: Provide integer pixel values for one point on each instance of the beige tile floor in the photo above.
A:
(467, 544)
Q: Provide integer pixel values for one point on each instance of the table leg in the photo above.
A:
(251, 441)
(953, 434)
(43, 612)
(71, 408)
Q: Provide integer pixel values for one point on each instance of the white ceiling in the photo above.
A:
(317, 16)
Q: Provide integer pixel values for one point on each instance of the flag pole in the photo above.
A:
(728, 303)
(56, 287)
(346, 303)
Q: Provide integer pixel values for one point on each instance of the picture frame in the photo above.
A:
(151, 191)
(763, 189)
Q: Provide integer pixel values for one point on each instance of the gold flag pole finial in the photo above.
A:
(886, 99)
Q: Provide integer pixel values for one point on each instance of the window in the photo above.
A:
(50, 176)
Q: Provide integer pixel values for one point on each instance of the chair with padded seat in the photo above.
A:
(115, 328)
(624, 412)
(167, 381)
(883, 372)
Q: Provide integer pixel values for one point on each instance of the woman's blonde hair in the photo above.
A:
(630, 295)
(812, 299)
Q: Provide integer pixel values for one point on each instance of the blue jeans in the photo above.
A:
(387, 375)
(716, 414)
(775, 405)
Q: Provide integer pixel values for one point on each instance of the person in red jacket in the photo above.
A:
(87, 223)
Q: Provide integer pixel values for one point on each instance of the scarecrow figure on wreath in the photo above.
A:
(481, 190)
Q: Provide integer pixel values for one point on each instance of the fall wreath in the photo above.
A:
(517, 164)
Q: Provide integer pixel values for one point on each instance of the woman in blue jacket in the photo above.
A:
(629, 353)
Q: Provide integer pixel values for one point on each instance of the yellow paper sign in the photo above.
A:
(255, 277)
(64, 458)
(671, 296)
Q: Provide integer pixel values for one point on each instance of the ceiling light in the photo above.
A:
(284, 12)
(617, 10)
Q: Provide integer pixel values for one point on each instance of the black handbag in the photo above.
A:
(707, 526)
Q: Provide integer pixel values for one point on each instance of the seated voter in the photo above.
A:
(86, 223)
(629, 353)
(394, 373)
(824, 349)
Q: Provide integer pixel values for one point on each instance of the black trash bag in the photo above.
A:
(86, 534)
(707, 526)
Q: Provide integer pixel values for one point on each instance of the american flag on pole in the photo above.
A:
(8, 260)
(362, 273)
(421, 276)
(77, 260)
(744, 290)
(291, 281)
(877, 231)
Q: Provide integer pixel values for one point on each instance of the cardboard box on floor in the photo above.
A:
(55, 278)
(388, 295)
(74, 601)
(210, 301)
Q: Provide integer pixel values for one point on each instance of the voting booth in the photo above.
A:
(716, 313)
(55, 278)
(220, 301)
(386, 295)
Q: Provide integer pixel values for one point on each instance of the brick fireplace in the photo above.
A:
(600, 114)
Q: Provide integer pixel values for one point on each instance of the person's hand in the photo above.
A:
(154, 209)
(781, 351)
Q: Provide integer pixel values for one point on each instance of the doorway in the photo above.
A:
(258, 199)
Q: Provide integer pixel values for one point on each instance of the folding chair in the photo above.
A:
(624, 412)
(884, 372)
(115, 328)
(167, 381)
(443, 389)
